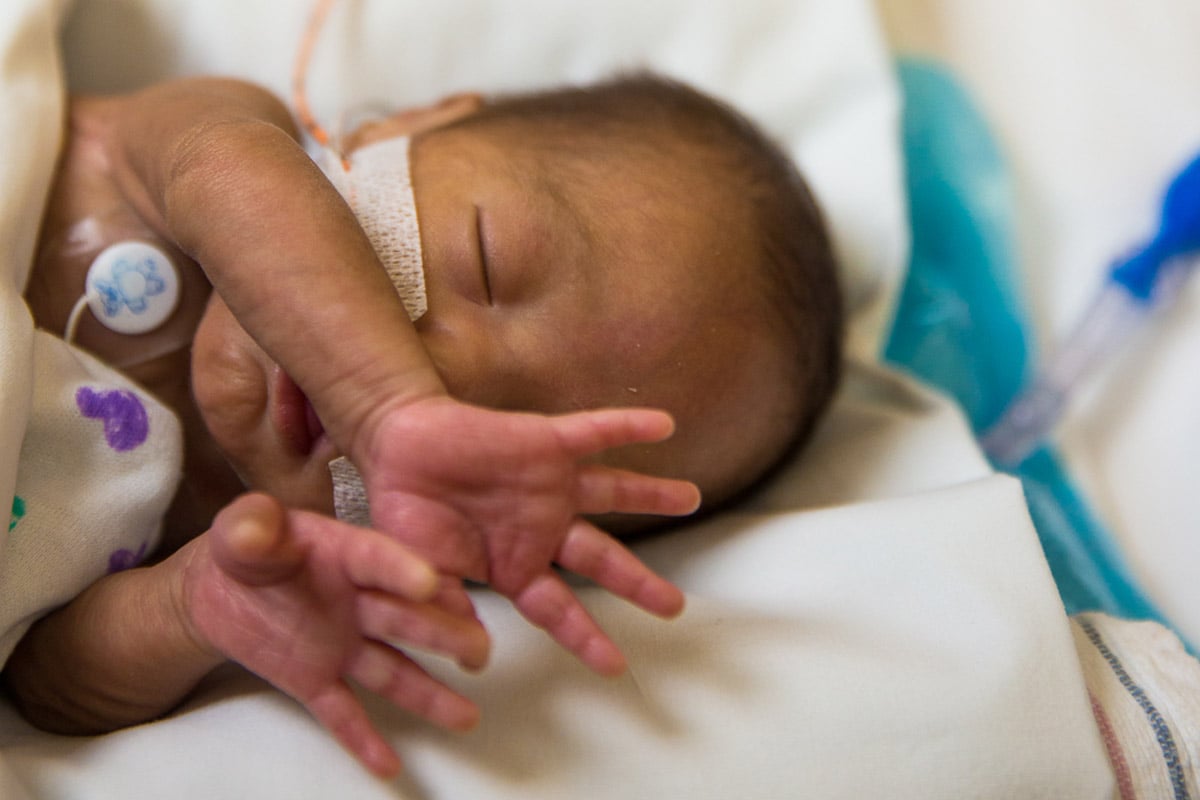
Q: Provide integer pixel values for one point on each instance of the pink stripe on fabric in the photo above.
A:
(1115, 754)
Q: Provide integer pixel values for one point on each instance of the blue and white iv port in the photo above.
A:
(132, 287)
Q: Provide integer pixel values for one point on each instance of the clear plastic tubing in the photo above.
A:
(1146, 280)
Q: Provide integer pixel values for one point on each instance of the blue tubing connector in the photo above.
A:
(1178, 236)
(1134, 285)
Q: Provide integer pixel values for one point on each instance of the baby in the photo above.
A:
(633, 243)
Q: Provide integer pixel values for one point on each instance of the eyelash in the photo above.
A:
(483, 264)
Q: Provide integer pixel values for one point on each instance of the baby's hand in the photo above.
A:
(498, 497)
(309, 603)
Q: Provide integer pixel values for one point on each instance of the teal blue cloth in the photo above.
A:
(960, 323)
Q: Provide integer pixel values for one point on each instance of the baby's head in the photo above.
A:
(645, 245)
(627, 243)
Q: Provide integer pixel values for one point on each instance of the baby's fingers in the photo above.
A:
(549, 603)
(452, 597)
(398, 679)
(383, 564)
(251, 543)
(342, 714)
(604, 490)
(426, 626)
(369, 559)
(588, 432)
(592, 553)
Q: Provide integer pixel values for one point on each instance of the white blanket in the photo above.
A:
(877, 622)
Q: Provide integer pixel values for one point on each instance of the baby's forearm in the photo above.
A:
(215, 165)
(119, 654)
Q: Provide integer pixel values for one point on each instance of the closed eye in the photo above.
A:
(483, 261)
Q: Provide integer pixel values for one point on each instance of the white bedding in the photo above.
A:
(877, 622)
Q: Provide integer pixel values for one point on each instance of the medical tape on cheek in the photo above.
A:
(376, 184)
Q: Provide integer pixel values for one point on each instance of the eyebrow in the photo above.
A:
(571, 215)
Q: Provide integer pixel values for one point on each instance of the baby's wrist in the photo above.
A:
(377, 431)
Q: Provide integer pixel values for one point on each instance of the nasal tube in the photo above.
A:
(1146, 280)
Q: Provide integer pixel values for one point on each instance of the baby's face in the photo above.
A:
(548, 290)
(551, 289)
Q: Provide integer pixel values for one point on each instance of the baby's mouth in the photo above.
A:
(293, 415)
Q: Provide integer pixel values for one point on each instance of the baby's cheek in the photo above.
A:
(463, 355)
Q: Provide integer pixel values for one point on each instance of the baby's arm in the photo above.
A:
(304, 601)
(497, 497)
(214, 166)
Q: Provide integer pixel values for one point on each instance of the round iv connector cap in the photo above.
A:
(132, 287)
